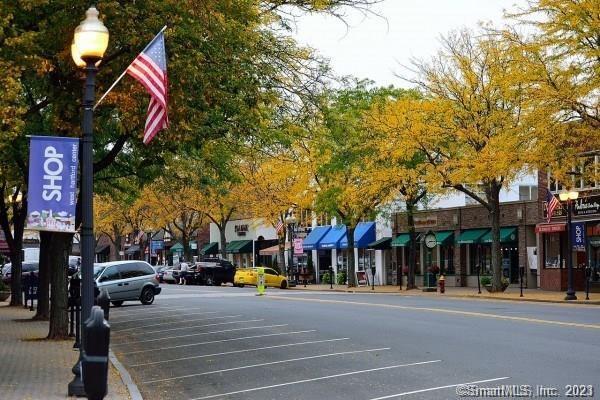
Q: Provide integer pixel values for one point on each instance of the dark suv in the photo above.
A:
(211, 272)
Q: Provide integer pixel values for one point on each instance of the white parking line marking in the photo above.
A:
(316, 379)
(123, 311)
(220, 341)
(201, 326)
(205, 333)
(438, 388)
(175, 322)
(168, 316)
(239, 351)
(267, 363)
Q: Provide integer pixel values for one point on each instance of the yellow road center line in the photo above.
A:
(442, 310)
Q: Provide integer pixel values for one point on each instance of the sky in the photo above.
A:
(378, 47)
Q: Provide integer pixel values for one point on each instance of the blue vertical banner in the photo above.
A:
(578, 236)
(52, 195)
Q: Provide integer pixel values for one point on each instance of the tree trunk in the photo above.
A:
(43, 301)
(223, 241)
(412, 246)
(60, 247)
(351, 270)
(16, 250)
(493, 197)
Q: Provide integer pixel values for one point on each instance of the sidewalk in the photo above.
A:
(33, 368)
(511, 293)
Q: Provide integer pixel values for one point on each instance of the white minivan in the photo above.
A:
(127, 280)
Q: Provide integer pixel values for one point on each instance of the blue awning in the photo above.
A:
(364, 234)
(334, 239)
(311, 242)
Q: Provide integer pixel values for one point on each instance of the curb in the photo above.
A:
(457, 296)
(134, 392)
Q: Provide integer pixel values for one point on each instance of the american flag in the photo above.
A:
(551, 204)
(150, 69)
(279, 226)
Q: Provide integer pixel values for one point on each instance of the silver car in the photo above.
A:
(127, 280)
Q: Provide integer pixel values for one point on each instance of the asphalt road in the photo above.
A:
(200, 342)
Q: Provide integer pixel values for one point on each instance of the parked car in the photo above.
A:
(171, 274)
(27, 267)
(211, 273)
(160, 272)
(127, 280)
(249, 276)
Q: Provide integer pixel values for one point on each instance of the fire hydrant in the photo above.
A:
(442, 282)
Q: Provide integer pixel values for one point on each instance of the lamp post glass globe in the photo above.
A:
(91, 37)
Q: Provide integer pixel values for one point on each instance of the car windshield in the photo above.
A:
(97, 271)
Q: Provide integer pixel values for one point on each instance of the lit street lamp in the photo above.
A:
(291, 223)
(89, 44)
(568, 197)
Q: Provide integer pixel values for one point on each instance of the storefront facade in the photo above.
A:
(457, 241)
(585, 244)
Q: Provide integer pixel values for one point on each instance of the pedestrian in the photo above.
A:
(183, 266)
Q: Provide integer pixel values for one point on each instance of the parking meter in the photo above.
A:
(260, 281)
(103, 300)
(588, 275)
(94, 360)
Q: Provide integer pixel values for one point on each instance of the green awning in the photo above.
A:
(210, 248)
(443, 237)
(401, 240)
(177, 248)
(471, 236)
(381, 244)
(507, 235)
(239, 246)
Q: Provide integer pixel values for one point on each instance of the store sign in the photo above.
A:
(425, 222)
(550, 228)
(582, 206)
(157, 245)
(578, 236)
(241, 230)
(298, 248)
(52, 186)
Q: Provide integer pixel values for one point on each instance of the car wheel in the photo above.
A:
(240, 285)
(284, 284)
(147, 296)
(209, 281)
(117, 303)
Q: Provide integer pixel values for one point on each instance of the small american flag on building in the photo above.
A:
(279, 226)
(150, 69)
(551, 204)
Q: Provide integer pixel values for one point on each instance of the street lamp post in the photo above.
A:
(291, 223)
(89, 44)
(568, 197)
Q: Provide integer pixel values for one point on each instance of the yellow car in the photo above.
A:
(249, 276)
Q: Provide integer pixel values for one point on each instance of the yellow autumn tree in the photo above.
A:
(559, 56)
(475, 129)
(175, 207)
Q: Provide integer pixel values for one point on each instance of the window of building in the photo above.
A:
(553, 184)
(447, 255)
(481, 255)
(552, 258)
(478, 190)
(528, 192)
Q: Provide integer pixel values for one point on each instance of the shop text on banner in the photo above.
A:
(52, 183)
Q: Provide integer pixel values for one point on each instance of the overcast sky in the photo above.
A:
(376, 48)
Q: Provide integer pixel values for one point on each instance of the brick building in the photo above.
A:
(458, 239)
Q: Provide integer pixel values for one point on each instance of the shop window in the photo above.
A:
(447, 254)
(481, 255)
(552, 250)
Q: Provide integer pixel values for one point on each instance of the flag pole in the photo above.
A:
(124, 72)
